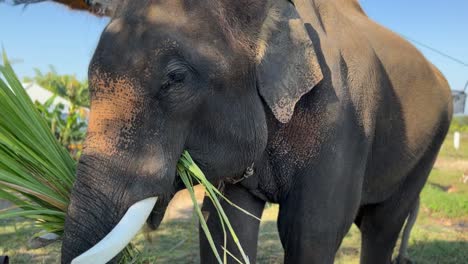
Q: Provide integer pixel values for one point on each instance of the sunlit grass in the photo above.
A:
(444, 204)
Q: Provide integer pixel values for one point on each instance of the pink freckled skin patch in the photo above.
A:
(115, 103)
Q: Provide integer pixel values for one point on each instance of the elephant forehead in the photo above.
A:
(170, 12)
(114, 106)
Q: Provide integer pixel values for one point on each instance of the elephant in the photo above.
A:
(307, 103)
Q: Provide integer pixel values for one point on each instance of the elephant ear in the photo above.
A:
(287, 63)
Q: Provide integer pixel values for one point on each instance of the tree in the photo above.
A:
(67, 125)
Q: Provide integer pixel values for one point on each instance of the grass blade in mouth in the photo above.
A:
(187, 167)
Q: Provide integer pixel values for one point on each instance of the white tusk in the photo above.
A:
(120, 236)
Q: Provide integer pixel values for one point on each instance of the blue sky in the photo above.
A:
(48, 34)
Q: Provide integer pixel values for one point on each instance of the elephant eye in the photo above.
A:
(176, 72)
(173, 78)
(176, 76)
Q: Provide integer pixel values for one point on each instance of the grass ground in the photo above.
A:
(440, 234)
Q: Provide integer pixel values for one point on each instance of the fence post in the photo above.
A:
(456, 140)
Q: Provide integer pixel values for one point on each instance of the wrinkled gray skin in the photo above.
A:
(342, 118)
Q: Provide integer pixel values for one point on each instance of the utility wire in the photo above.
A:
(436, 51)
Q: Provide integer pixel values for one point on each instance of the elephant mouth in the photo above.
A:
(119, 237)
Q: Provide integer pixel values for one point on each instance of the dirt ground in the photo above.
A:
(181, 206)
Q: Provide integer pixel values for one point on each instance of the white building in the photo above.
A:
(40, 94)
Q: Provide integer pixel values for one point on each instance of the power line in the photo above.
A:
(436, 51)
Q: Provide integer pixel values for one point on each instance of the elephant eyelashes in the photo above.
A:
(176, 76)
(173, 78)
(176, 72)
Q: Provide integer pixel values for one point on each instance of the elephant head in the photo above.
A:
(170, 75)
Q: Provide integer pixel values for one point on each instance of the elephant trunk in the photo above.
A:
(104, 213)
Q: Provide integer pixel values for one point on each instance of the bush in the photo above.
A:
(459, 123)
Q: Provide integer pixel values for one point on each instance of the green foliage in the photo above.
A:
(69, 128)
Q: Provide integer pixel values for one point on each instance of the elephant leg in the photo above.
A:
(380, 224)
(380, 234)
(246, 227)
(314, 219)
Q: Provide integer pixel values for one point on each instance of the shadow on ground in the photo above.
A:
(438, 251)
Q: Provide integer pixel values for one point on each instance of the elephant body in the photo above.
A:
(360, 145)
(343, 122)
